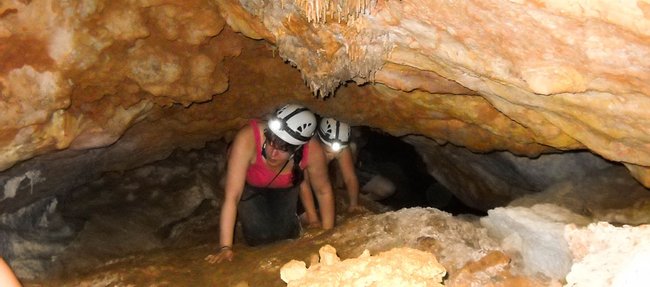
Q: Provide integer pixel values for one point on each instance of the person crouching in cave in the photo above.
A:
(266, 165)
(335, 137)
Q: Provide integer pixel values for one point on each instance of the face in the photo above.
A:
(329, 150)
(276, 148)
(331, 153)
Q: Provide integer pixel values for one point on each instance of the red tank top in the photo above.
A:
(259, 175)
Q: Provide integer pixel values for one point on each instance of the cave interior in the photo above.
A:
(496, 143)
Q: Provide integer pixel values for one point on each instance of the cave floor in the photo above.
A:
(170, 210)
(469, 257)
(252, 266)
(186, 267)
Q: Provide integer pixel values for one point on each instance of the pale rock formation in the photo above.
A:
(606, 255)
(566, 243)
(455, 241)
(395, 267)
(537, 233)
(378, 188)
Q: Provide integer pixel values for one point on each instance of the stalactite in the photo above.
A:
(320, 11)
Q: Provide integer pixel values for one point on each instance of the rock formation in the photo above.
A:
(94, 85)
(524, 76)
(396, 267)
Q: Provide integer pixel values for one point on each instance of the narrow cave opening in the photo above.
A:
(394, 174)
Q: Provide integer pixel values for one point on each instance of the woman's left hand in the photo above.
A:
(314, 224)
(223, 254)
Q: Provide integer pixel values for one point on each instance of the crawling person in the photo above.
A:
(335, 138)
(266, 165)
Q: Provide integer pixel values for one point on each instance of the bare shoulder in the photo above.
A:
(247, 129)
(244, 142)
(316, 153)
(315, 147)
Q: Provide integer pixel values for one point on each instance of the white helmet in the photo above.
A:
(334, 134)
(294, 124)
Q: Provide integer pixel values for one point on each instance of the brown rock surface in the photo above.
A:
(492, 270)
(525, 76)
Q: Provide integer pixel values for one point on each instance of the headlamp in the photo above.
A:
(275, 125)
(336, 146)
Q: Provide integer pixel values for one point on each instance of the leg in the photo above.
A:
(254, 216)
(269, 216)
(283, 206)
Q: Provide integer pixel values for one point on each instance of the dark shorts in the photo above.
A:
(268, 214)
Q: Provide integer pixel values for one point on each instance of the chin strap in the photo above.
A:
(280, 171)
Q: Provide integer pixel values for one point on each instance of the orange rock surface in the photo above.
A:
(525, 76)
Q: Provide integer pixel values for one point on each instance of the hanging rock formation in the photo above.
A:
(529, 77)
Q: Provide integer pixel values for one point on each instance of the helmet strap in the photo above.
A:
(338, 127)
(264, 150)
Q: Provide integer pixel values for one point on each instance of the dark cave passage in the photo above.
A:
(381, 154)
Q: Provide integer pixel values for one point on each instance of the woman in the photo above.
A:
(266, 164)
(335, 136)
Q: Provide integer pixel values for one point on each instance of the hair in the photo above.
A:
(297, 174)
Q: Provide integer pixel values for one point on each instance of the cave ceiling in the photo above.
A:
(530, 77)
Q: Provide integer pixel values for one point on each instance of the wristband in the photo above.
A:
(225, 247)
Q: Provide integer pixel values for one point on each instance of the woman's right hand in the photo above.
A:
(355, 209)
(223, 254)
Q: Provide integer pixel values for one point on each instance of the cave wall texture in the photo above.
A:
(138, 78)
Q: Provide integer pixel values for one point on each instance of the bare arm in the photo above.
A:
(7, 277)
(307, 199)
(243, 149)
(317, 169)
(350, 178)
